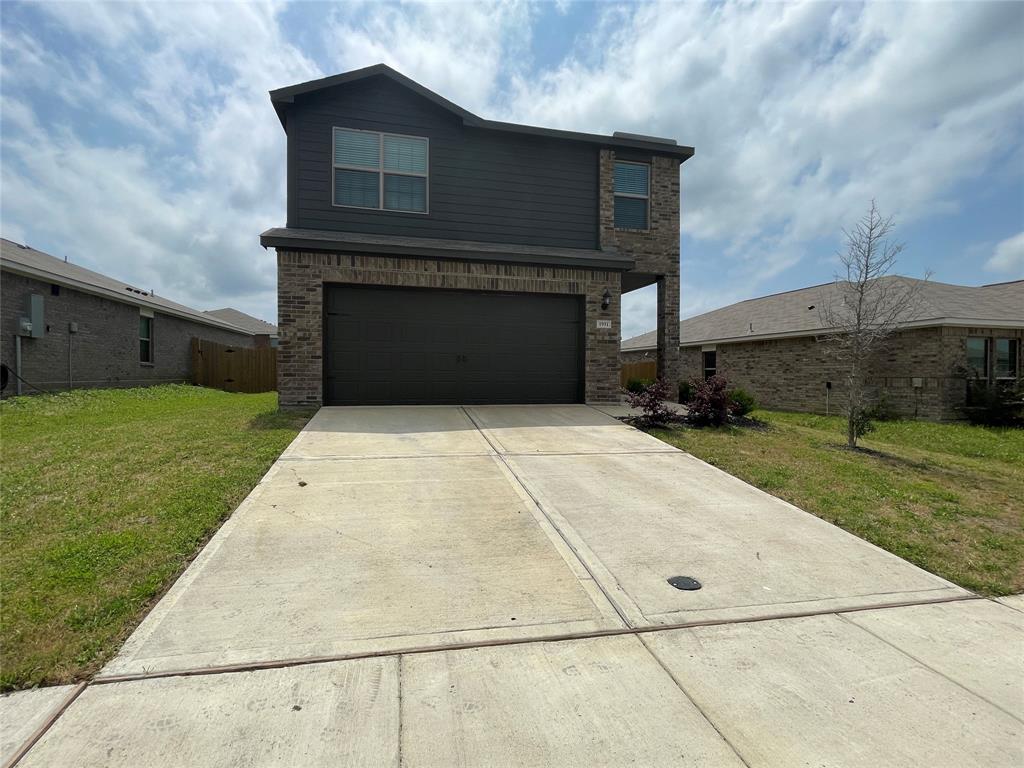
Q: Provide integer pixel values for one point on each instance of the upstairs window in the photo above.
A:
(382, 171)
(632, 195)
(146, 339)
(1006, 358)
(977, 356)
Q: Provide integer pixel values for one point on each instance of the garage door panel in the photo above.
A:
(388, 345)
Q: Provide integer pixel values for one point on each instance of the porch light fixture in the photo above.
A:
(606, 299)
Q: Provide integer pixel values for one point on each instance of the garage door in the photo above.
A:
(413, 346)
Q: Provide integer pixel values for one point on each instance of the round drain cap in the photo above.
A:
(686, 583)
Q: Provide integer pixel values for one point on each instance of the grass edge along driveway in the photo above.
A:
(106, 496)
(947, 497)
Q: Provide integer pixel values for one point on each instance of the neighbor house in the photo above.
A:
(433, 256)
(64, 327)
(952, 339)
(264, 333)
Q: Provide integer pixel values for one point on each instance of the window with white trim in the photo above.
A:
(977, 357)
(1006, 358)
(632, 187)
(145, 338)
(383, 171)
(709, 359)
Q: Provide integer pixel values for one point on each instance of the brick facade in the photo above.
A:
(655, 250)
(790, 374)
(302, 274)
(105, 350)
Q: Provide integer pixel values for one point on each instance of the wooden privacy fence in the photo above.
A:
(644, 369)
(234, 369)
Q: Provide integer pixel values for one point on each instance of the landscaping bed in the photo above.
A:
(107, 495)
(947, 497)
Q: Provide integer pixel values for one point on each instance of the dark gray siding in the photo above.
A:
(105, 351)
(483, 185)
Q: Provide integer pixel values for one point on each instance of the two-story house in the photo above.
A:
(433, 256)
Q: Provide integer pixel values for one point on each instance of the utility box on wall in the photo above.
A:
(33, 326)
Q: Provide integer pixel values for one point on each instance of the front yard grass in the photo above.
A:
(947, 497)
(106, 496)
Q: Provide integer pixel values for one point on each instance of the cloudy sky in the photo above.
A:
(138, 139)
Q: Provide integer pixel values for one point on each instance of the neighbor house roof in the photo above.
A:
(23, 260)
(430, 247)
(798, 313)
(282, 97)
(242, 320)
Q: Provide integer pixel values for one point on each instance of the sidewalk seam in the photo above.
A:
(690, 698)
(929, 667)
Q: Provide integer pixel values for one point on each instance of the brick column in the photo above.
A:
(668, 329)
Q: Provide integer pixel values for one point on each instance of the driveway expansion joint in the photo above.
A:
(469, 645)
(45, 726)
(565, 539)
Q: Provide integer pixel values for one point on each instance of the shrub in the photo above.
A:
(651, 403)
(741, 402)
(861, 422)
(710, 402)
(638, 385)
(881, 410)
(685, 392)
(998, 406)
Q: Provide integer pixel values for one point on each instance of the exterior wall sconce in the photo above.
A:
(606, 299)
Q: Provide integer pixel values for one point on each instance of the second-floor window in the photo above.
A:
(383, 171)
(632, 195)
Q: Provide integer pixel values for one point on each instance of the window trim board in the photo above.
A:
(380, 171)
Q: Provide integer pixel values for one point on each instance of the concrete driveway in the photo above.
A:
(440, 586)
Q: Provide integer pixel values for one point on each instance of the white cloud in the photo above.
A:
(177, 206)
(800, 114)
(460, 50)
(1008, 256)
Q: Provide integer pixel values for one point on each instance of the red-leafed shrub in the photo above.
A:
(710, 403)
(650, 401)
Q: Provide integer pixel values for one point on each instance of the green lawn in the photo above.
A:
(106, 496)
(948, 497)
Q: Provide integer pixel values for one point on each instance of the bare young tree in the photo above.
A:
(866, 307)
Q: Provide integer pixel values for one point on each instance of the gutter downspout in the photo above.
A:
(17, 362)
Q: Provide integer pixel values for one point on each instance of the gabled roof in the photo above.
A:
(23, 260)
(281, 98)
(242, 320)
(797, 313)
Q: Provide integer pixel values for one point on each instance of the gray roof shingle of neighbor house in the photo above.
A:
(242, 320)
(797, 313)
(23, 260)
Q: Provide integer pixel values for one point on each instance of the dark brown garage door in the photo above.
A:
(410, 346)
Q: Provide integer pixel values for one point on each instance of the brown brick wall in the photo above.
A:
(301, 275)
(656, 249)
(105, 351)
(790, 374)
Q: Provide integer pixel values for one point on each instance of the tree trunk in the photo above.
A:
(853, 409)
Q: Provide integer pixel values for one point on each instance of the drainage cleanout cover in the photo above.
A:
(684, 582)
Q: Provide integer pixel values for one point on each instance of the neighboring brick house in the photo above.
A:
(952, 339)
(432, 256)
(264, 333)
(90, 330)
